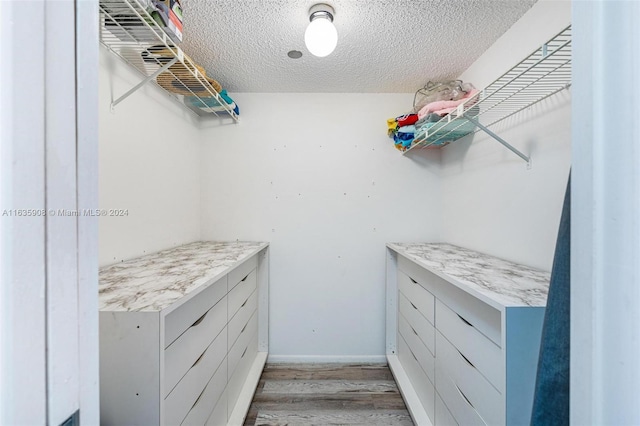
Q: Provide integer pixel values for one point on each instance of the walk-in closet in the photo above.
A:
(306, 212)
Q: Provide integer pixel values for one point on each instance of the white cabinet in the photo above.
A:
(183, 335)
(463, 334)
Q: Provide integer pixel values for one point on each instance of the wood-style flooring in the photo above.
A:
(327, 394)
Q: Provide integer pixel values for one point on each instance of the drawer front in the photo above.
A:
(179, 320)
(241, 317)
(202, 408)
(241, 292)
(219, 415)
(239, 349)
(239, 376)
(184, 352)
(486, 399)
(459, 406)
(417, 272)
(237, 275)
(411, 338)
(485, 318)
(420, 382)
(443, 415)
(416, 294)
(182, 397)
(483, 353)
(424, 328)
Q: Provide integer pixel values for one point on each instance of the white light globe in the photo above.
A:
(321, 37)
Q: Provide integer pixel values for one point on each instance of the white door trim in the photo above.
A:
(605, 213)
(48, 160)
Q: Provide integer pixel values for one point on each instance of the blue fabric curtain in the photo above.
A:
(551, 400)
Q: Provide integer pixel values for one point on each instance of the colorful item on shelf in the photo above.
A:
(404, 128)
(181, 81)
(392, 126)
(443, 108)
(205, 104)
(407, 119)
(439, 91)
(437, 135)
(230, 101)
(407, 129)
(168, 15)
(404, 137)
(180, 78)
(211, 104)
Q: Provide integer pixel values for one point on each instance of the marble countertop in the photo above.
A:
(496, 281)
(155, 281)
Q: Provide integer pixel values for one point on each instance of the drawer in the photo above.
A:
(241, 292)
(443, 415)
(486, 399)
(240, 273)
(424, 328)
(417, 272)
(237, 351)
(459, 406)
(179, 320)
(424, 357)
(416, 294)
(239, 376)
(184, 352)
(181, 399)
(485, 318)
(203, 407)
(420, 382)
(219, 415)
(483, 353)
(241, 317)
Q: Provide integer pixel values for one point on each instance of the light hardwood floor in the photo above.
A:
(327, 394)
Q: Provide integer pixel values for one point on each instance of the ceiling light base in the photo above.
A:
(321, 9)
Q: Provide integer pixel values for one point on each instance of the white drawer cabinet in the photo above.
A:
(423, 356)
(420, 383)
(184, 396)
(443, 416)
(182, 354)
(467, 324)
(418, 323)
(185, 347)
(474, 388)
(475, 347)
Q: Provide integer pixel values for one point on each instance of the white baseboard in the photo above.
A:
(318, 359)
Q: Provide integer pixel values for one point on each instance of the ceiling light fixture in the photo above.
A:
(321, 36)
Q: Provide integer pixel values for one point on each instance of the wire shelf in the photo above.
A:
(131, 33)
(542, 74)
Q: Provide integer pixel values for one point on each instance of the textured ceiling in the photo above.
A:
(383, 45)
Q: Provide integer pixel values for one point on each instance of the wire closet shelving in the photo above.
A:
(540, 75)
(130, 32)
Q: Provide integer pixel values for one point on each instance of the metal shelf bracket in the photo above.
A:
(499, 139)
(143, 82)
(542, 74)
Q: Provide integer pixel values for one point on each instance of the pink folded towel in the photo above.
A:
(445, 107)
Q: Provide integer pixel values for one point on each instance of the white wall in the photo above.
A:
(316, 176)
(491, 202)
(149, 165)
